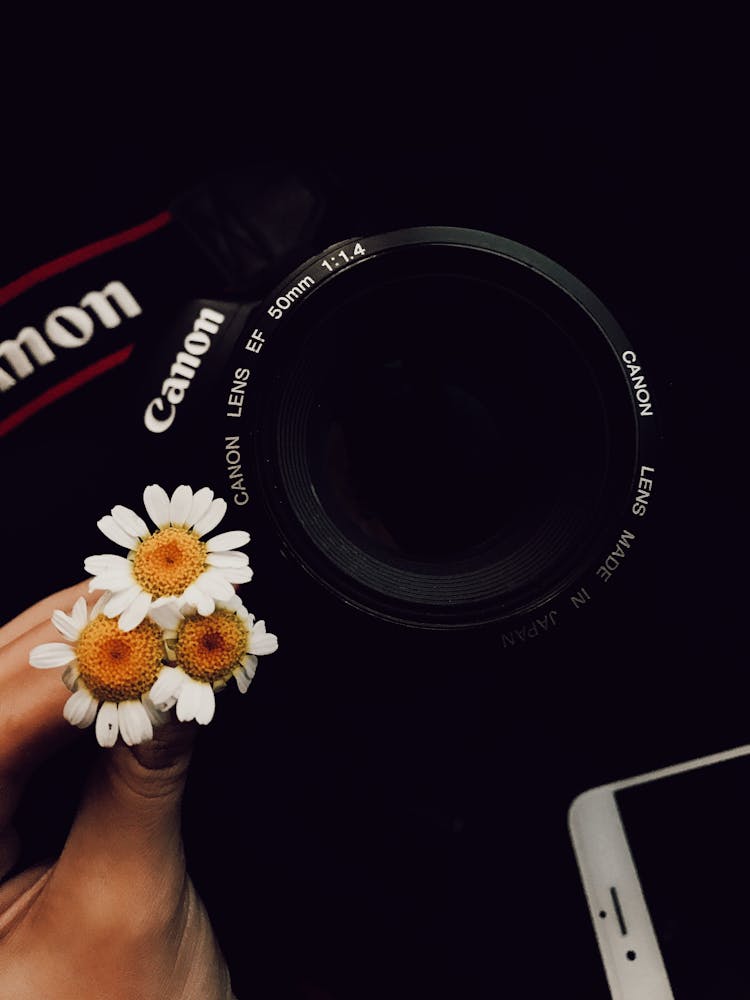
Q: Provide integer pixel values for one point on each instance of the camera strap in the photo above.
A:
(72, 320)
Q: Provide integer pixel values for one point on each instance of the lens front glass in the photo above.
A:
(453, 416)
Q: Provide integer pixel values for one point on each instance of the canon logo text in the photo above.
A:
(161, 411)
(68, 326)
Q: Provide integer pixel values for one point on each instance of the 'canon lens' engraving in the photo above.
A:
(640, 386)
(234, 469)
(645, 485)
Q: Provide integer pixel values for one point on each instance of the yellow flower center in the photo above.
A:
(208, 648)
(166, 563)
(115, 665)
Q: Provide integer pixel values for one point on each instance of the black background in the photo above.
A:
(377, 842)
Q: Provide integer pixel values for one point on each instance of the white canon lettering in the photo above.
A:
(208, 321)
(69, 327)
(186, 363)
(174, 389)
(13, 351)
(234, 467)
(75, 317)
(184, 366)
(152, 423)
(640, 387)
(105, 312)
(197, 342)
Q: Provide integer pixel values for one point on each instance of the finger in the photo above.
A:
(19, 892)
(31, 703)
(31, 726)
(42, 611)
(125, 842)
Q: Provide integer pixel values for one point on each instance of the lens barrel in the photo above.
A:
(446, 427)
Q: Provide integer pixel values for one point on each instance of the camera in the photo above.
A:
(437, 428)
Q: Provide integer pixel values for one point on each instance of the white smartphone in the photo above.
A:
(665, 862)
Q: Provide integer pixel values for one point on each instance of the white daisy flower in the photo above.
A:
(173, 565)
(205, 652)
(109, 672)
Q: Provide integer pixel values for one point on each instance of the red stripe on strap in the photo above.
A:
(91, 250)
(63, 388)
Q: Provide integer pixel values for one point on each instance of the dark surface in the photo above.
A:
(399, 828)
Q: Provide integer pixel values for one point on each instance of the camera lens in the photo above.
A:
(448, 436)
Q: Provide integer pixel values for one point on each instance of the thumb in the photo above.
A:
(125, 843)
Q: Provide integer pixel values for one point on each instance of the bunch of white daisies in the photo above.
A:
(168, 630)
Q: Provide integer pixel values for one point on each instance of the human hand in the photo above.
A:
(116, 915)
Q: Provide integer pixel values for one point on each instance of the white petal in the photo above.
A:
(243, 681)
(130, 521)
(241, 611)
(227, 558)
(262, 642)
(234, 603)
(114, 582)
(65, 625)
(184, 608)
(109, 527)
(70, 676)
(199, 506)
(79, 614)
(180, 504)
(163, 602)
(191, 699)
(157, 718)
(213, 583)
(133, 615)
(237, 574)
(106, 563)
(207, 705)
(135, 725)
(119, 577)
(51, 654)
(189, 599)
(106, 725)
(165, 615)
(211, 518)
(98, 606)
(156, 502)
(80, 708)
(227, 540)
(166, 687)
(121, 600)
(250, 665)
(204, 603)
